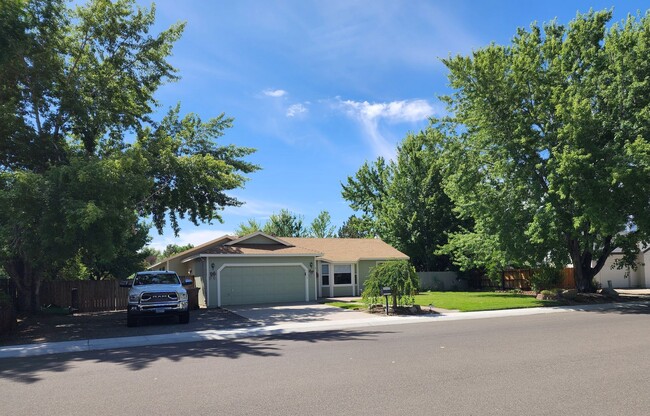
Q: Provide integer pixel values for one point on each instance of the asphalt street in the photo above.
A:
(575, 363)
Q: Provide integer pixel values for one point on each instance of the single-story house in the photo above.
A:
(626, 278)
(260, 268)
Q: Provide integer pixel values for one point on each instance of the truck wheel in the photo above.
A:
(184, 318)
(131, 321)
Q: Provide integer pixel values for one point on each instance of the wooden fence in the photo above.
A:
(520, 279)
(85, 295)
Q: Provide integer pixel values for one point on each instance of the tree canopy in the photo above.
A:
(321, 226)
(548, 145)
(356, 227)
(285, 224)
(84, 167)
(289, 224)
(248, 227)
(403, 201)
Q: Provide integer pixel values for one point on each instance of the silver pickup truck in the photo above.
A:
(156, 293)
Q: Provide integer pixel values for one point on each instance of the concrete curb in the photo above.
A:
(30, 350)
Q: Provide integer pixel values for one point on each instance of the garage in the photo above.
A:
(243, 284)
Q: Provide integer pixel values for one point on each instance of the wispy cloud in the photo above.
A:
(296, 109)
(274, 93)
(257, 208)
(371, 115)
(195, 237)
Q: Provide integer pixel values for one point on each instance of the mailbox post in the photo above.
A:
(386, 292)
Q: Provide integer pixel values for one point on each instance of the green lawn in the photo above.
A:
(347, 305)
(478, 301)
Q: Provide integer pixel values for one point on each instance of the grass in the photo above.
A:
(479, 301)
(355, 306)
(465, 301)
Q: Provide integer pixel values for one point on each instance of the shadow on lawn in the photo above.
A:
(29, 370)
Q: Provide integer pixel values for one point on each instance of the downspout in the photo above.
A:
(207, 283)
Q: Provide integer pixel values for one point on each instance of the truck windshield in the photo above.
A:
(156, 279)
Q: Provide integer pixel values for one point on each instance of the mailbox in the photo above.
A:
(386, 291)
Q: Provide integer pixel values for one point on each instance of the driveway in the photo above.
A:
(54, 328)
(302, 312)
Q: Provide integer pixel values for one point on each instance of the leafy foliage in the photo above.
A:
(82, 163)
(249, 227)
(151, 256)
(321, 226)
(545, 278)
(285, 224)
(355, 227)
(173, 249)
(399, 275)
(548, 144)
(403, 202)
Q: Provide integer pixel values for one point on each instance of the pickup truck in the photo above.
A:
(156, 293)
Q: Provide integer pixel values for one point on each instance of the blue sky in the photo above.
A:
(319, 87)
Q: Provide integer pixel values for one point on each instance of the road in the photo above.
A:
(574, 363)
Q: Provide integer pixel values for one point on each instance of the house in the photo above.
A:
(627, 277)
(260, 268)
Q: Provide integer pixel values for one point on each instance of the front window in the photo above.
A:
(156, 279)
(325, 275)
(343, 274)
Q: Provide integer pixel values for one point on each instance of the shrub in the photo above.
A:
(545, 278)
(399, 275)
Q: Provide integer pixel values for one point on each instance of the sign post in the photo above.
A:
(386, 292)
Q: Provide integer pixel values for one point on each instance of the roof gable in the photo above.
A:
(201, 247)
(259, 238)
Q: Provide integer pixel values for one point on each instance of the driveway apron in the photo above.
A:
(302, 312)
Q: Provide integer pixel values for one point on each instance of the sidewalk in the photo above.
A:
(28, 350)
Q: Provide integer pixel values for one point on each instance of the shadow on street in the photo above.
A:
(27, 370)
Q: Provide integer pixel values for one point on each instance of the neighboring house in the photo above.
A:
(259, 268)
(627, 277)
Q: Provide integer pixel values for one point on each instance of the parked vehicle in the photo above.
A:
(156, 293)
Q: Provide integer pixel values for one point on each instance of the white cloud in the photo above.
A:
(370, 116)
(396, 111)
(296, 109)
(275, 93)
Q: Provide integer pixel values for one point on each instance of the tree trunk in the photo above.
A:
(584, 273)
(584, 278)
(394, 301)
(28, 284)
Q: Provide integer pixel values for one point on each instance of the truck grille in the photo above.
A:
(159, 297)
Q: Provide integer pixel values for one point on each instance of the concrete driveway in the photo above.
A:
(302, 312)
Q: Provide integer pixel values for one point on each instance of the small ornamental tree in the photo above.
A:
(399, 275)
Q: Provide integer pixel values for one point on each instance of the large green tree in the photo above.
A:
(173, 249)
(285, 224)
(549, 143)
(321, 226)
(84, 167)
(356, 227)
(405, 201)
(248, 227)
